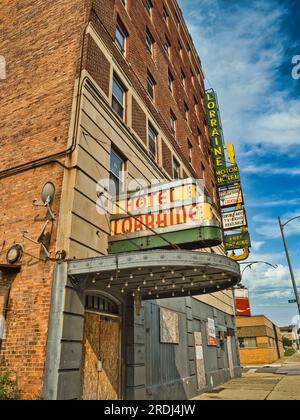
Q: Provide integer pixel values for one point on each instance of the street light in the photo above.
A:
(282, 226)
(250, 264)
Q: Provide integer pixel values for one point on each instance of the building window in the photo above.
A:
(248, 342)
(196, 105)
(171, 82)
(176, 169)
(167, 46)
(180, 48)
(177, 21)
(173, 123)
(152, 142)
(117, 168)
(165, 15)
(199, 137)
(120, 37)
(149, 42)
(151, 86)
(183, 78)
(149, 7)
(186, 112)
(118, 98)
(190, 151)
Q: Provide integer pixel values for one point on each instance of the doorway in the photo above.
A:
(101, 364)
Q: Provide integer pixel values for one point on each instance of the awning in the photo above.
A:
(9, 268)
(157, 274)
(221, 328)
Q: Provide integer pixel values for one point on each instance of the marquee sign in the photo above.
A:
(237, 241)
(178, 212)
(215, 129)
(234, 219)
(228, 176)
(231, 197)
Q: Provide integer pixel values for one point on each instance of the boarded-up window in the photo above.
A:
(139, 123)
(169, 327)
(98, 66)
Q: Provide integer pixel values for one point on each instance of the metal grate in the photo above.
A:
(101, 304)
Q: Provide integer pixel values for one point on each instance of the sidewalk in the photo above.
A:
(282, 385)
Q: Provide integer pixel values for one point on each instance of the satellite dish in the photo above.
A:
(48, 193)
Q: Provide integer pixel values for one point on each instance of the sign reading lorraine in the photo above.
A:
(234, 219)
(231, 197)
(237, 241)
(215, 130)
(228, 176)
(185, 215)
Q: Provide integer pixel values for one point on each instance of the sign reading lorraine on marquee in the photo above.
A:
(234, 219)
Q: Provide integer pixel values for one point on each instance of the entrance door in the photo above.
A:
(101, 357)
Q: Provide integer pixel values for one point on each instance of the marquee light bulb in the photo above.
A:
(112, 278)
(126, 284)
(150, 293)
(204, 276)
(131, 276)
(172, 272)
(163, 280)
(173, 285)
(144, 283)
(151, 274)
(122, 291)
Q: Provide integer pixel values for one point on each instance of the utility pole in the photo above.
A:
(282, 226)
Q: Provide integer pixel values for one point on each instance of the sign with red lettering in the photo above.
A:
(164, 208)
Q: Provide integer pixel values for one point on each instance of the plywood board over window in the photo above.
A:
(169, 327)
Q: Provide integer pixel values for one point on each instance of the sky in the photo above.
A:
(246, 49)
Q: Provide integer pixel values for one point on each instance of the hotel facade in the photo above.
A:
(109, 95)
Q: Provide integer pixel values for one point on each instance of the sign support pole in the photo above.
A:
(290, 264)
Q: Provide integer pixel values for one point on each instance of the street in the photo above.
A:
(280, 381)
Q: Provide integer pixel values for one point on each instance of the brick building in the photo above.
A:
(93, 90)
(260, 340)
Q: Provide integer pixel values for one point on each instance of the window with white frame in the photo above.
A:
(152, 142)
(118, 97)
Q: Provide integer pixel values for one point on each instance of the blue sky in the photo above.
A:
(246, 48)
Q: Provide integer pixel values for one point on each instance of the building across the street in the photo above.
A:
(104, 97)
(291, 333)
(260, 340)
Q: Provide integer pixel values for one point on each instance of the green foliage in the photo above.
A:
(8, 387)
(287, 342)
(289, 352)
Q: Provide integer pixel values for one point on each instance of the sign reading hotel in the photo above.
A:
(228, 176)
(215, 130)
(231, 197)
(234, 219)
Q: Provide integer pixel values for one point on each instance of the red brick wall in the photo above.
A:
(139, 123)
(98, 66)
(41, 42)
